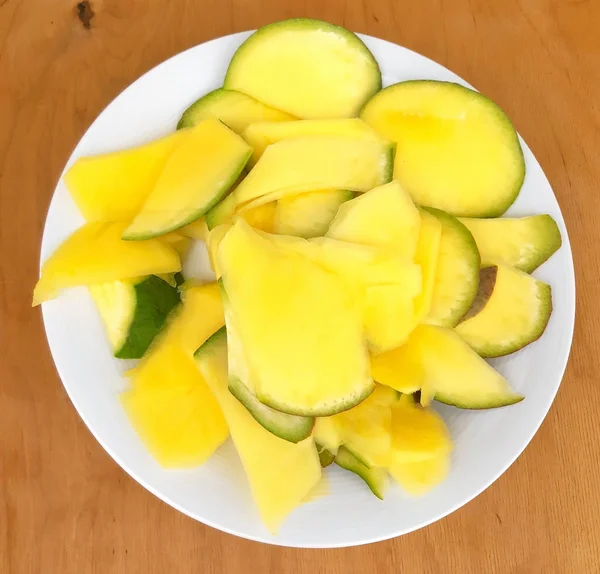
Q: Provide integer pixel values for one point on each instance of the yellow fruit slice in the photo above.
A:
(280, 473)
(114, 186)
(195, 177)
(195, 230)
(300, 328)
(426, 256)
(419, 477)
(212, 244)
(260, 217)
(399, 368)
(95, 253)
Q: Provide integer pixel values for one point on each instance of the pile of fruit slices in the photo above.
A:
(362, 270)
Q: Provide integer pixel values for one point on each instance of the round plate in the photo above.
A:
(217, 493)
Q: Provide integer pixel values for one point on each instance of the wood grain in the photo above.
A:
(65, 506)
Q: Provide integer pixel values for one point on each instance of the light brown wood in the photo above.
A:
(65, 506)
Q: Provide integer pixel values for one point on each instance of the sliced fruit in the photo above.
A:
(400, 369)
(178, 241)
(196, 230)
(95, 253)
(326, 433)
(173, 410)
(280, 473)
(262, 135)
(419, 477)
(114, 186)
(479, 165)
(521, 242)
(261, 217)
(133, 312)
(314, 163)
(195, 177)
(222, 213)
(308, 214)
(384, 217)
(456, 274)
(308, 68)
(426, 256)
(375, 478)
(236, 110)
(285, 308)
(212, 244)
(511, 310)
(326, 457)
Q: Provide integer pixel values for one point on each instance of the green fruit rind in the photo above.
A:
(326, 457)
(375, 478)
(222, 212)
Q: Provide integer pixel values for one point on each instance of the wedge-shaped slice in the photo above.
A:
(300, 328)
(375, 478)
(384, 217)
(326, 433)
(236, 110)
(195, 230)
(456, 274)
(195, 177)
(426, 256)
(133, 312)
(308, 214)
(114, 186)
(262, 135)
(280, 473)
(308, 68)
(95, 253)
(401, 369)
(212, 245)
(521, 242)
(173, 411)
(420, 476)
(478, 165)
(510, 311)
(314, 163)
(261, 217)
(326, 457)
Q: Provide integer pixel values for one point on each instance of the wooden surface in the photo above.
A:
(65, 506)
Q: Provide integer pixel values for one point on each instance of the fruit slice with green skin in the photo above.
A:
(308, 214)
(261, 217)
(95, 253)
(114, 186)
(456, 274)
(479, 165)
(326, 433)
(326, 457)
(262, 135)
(426, 256)
(308, 68)
(280, 473)
(420, 476)
(236, 110)
(510, 311)
(314, 163)
(400, 369)
(375, 478)
(133, 312)
(195, 177)
(284, 307)
(521, 242)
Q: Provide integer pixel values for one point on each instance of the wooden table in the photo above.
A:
(65, 506)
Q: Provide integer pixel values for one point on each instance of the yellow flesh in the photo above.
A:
(400, 369)
(196, 230)
(212, 244)
(326, 433)
(261, 217)
(301, 329)
(419, 477)
(426, 256)
(114, 186)
(95, 253)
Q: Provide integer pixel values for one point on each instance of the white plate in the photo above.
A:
(216, 493)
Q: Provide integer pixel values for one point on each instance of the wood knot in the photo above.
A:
(85, 13)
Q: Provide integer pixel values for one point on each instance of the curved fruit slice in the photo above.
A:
(212, 245)
(261, 217)
(314, 163)
(326, 433)
(309, 68)
(479, 166)
(280, 473)
(401, 369)
(285, 307)
(456, 274)
(114, 186)
(375, 478)
(420, 476)
(308, 214)
(133, 312)
(510, 311)
(262, 135)
(521, 242)
(236, 110)
(426, 256)
(196, 230)
(95, 253)
(195, 177)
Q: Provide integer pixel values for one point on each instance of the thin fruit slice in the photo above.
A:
(314, 163)
(196, 176)
(510, 311)
(308, 214)
(95, 253)
(280, 473)
(222, 213)
(521, 242)
(262, 135)
(236, 110)
(133, 312)
(375, 478)
(261, 217)
(426, 256)
(308, 68)
(326, 457)
(114, 186)
(285, 308)
(400, 369)
(196, 230)
(456, 274)
(326, 433)
(212, 245)
(478, 162)
(420, 476)
(384, 217)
